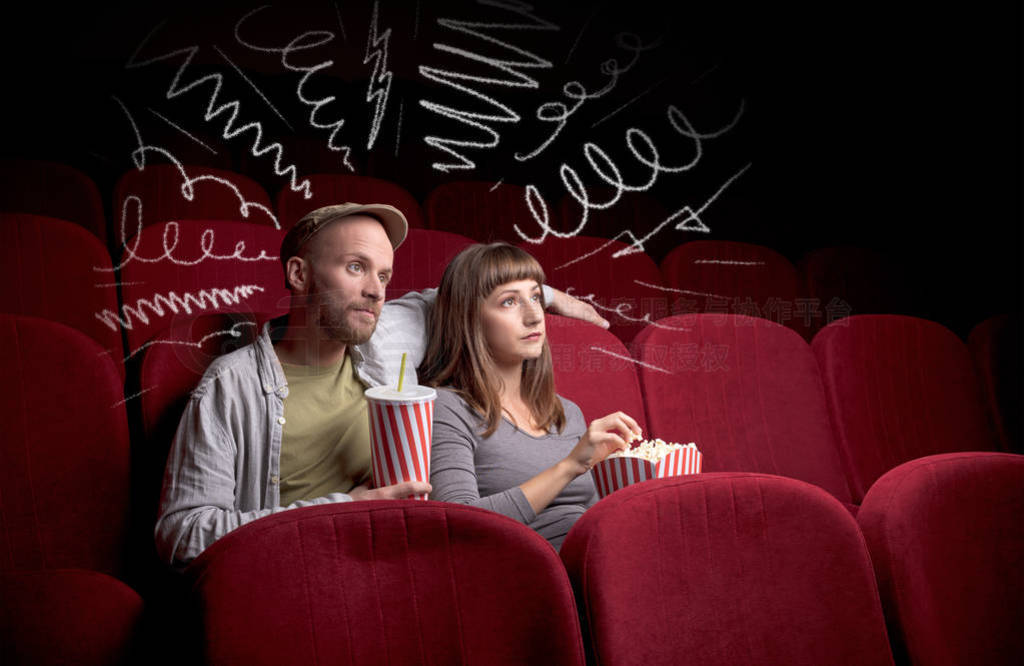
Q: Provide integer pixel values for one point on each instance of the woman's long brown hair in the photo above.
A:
(457, 354)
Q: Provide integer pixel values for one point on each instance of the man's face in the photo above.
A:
(350, 265)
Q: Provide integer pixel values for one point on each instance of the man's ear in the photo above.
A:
(297, 274)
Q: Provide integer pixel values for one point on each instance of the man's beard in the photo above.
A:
(332, 319)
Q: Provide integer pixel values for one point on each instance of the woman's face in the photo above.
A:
(513, 322)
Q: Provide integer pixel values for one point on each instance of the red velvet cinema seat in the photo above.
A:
(736, 278)
(995, 345)
(168, 373)
(746, 390)
(64, 471)
(335, 188)
(59, 271)
(420, 261)
(946, 536)
(898, 388)
(212, 266)
(483, 211)
(396, 582)
(625, 290)
(845, 280)
(593, 369)
(53, 190)
(725, 568)
(216, 194)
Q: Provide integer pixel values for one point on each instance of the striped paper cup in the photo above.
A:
(400, 427)
(611, 474)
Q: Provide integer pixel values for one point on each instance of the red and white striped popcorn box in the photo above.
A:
(400, 427)
(617, 472)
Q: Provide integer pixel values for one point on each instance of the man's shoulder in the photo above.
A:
(236, 368)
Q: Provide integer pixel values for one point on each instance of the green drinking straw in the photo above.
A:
(401, 373)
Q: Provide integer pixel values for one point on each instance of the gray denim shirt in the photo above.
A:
(224, 465)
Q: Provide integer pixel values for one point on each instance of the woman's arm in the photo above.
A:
(603, 436)
(453, 471)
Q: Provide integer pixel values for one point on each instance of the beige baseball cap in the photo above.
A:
(395, 224)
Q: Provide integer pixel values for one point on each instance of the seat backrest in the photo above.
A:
(736, 278)
(746, 390)
(725, 568)
(398, 582)
(192, 267)
(625, 290)
(593, 369)
(53, 190)
(995, 345)
(946, 535)
(215, 194)
(59, 271)
(335, 188)
(483, 211)
(167, 374)
(65, 456)
(420, 261)
(845, 280)
(898, 388)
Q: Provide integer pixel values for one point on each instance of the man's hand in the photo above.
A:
(569, 306)
(403, 490)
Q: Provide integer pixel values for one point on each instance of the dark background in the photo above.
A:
(896, 128)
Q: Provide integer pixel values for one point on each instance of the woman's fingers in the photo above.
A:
(621, 422)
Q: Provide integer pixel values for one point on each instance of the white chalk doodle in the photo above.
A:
(132, 397)
(635, 99)
(621, 309)
(337, 13)
(398, 128)
(630, 359)
(686, 219)
(182, 130)
(515, 77)
(676, 290)
(691, 222)
(187, 183)
(559, 113)
(308, 40)
(728, 262)
(602, 164)
(232, 108)
(378, 89)
(159, 304)
(170, 243)
(232, 332)
(255, 88)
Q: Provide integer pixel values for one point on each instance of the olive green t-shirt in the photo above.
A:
(325, 445)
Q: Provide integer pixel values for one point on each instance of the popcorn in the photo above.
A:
(650, 459)
(651, 450)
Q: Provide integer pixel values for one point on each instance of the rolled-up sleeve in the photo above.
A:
(453, 468)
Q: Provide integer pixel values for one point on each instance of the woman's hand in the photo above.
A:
(604, 436)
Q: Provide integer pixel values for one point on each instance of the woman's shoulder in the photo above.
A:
(450, 401)
(573, 413)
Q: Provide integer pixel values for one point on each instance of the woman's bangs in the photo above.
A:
(508, 263)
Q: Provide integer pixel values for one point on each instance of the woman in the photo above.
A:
(502, 439)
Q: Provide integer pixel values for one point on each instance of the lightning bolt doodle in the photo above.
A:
(377, 50)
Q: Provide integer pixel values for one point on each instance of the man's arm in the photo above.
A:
(199, 502)
(563, 304)
(198, 505)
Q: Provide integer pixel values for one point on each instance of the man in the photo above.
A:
(282, 423)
